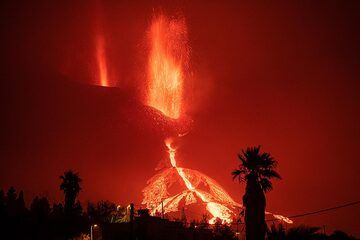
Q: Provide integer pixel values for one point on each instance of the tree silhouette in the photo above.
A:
(222, 231)
(2, 203)
(256, 169)
(295, 233)
(40, 209)
(340, 235)
(21, 203)
(304, 233)
(11, 204)
(11, 195)
(276, 232)
(70, 185)
(106, 212)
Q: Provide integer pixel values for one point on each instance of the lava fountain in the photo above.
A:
(168, 60)
(101, 61)
(169, 54)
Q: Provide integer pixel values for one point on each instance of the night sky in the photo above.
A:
(283, 75)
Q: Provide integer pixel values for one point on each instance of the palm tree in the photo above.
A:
(256, 169)
(71, 186)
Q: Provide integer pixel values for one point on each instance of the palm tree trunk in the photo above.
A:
(255, 203)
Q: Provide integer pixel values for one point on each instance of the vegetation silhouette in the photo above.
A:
(304, 232)
(256, 169)
(278, 232)
(223, 231)
(70, 185)
(106, 212)
(43, 221)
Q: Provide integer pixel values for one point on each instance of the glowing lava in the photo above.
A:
(216, 209)
(168, 56)
(199, 189)
(101, 61)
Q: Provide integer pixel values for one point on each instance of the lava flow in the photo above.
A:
(168, 57)
(215, 198)
(217, 210)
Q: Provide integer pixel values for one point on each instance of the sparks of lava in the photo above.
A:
(168, 55)
(101, 61)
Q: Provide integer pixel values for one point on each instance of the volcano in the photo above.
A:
(175, 187)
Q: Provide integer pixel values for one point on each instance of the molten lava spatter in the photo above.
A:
(167, 58)
(101, 61)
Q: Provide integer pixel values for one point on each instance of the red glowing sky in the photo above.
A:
(283, 75)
